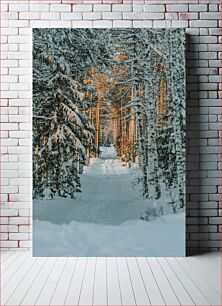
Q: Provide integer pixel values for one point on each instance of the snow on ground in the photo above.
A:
(104, 219)
(107, 164)
(164, 236)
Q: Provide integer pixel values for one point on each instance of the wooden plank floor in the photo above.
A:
(28, 280)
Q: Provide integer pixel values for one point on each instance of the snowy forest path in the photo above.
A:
(108, 195)
(104, 219)
(106, 190)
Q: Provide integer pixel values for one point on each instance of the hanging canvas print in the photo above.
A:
(108, 142)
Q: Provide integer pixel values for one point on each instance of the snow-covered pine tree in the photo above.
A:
(62, 133)
(133, 80)
(173, 135)
(65, 134)
(148, 62)
(63, 102)
(177, 42)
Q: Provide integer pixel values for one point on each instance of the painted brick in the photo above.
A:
(51, 16)
(24, 229)
(39, 23)
(18, 236)
(162, 23)
(70, 16)
(203, 23)
(9, 142)
(25, 31)
(8, 244)
(18, 220)
(9, 212)
(137, 7)
(215, 63)
(102, 23)
(187, 16)
(18, 7)
(18, 23)
(139, 23)
(134, 15)
(215, 236)
(208, 55)
(93, 15)
(19, 86)
(121, 7)
(82, 8)
(36, 7)
(25, 244)
(18, 118)
(9, 63)
(29, 15)
(9, 31)
(9, 126)
(179, 23)
(13, 47)
(148, 23)
(60, 8)
(60, 24)
(215, 78)
(215, 220)
(177, 8)
(9, 228)
(19, 71)
(154, 8)
(215, 31)
(122, 23)
(102, 7)
(171, 16)
(112, 15)
(214, 47)
(4, 7)
(18, 55)
(209, 15)
(82, 24)
(198, 7)
(19, 205)
(25, 212)
(213, 7)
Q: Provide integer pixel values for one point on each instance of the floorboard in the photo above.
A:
(4, 255)
(28, 280)
(17, 295)
(152, 287)
(100, 283)
(86, 295)
(50, 286)
(208, 292)
(113, 284)
(212, 260)
(76, 282)
(168, 292)
(14, 269)
(212, 278)
(137, 281)
(126, 289)
(37, 286)
(180, 291)
(11, 261)
(63, 285)
(189, 284)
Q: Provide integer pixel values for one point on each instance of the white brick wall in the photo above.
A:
(202, 20)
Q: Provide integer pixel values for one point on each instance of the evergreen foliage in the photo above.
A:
(143, 68)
